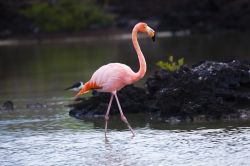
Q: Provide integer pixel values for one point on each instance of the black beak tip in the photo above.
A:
(153, 38)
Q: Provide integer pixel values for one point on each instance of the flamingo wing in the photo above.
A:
(112, 77)
(109, 78)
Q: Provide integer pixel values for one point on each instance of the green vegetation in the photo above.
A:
(67, 15)
(170, 65)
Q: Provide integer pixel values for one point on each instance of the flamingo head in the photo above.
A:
(143, 27)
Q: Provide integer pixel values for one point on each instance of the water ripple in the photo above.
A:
(151, 147)
(57, 139)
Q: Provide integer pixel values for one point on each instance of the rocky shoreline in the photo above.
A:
(207, 91)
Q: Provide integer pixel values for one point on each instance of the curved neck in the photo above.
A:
(143, 65)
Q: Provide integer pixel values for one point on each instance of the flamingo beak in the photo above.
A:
(81, 92)
(151, 33)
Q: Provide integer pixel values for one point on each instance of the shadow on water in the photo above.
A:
(56, 118)
(140, 120)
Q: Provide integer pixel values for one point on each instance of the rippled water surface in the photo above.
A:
(51, 137)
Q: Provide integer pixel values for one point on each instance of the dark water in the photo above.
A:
(44, 70)
(46, 135)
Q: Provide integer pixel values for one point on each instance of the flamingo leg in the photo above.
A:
(107, 115)
(124, 119)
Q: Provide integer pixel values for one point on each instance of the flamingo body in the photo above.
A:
(114, 76)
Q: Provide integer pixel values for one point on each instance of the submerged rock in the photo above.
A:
(7, 105)
(207, 91)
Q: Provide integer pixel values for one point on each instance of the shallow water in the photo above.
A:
(43, 137)
(44, 134)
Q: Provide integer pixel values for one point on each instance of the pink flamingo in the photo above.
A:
(114, 76)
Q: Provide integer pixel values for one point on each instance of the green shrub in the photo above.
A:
(66, 15)
(171, 65)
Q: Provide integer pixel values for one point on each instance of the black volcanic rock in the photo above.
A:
(211, 90)
(132, 100)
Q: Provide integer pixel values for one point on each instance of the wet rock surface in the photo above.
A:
(206, 91)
